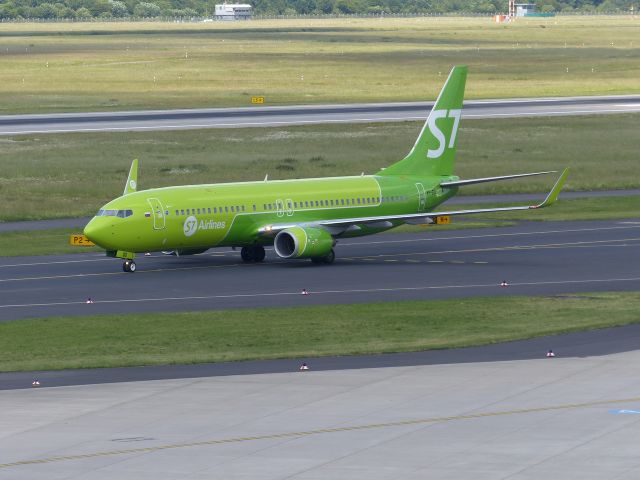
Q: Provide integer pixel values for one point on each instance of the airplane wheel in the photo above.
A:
(258, 253)
(329, 257)
(132, 266)
(252, 254)
(129, 266)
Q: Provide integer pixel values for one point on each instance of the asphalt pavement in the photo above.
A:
(305, 114)
(535, 258)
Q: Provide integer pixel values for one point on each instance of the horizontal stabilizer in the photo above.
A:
(473, 181)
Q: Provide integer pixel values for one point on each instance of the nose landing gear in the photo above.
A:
(129, 266)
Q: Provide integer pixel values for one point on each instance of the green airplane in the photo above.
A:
(300, 218)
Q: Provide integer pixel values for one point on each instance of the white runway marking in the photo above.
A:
(488, 235)
(592, 244)
(326, 292)
(55, 262)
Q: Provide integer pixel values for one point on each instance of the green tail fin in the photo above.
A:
(435, 149)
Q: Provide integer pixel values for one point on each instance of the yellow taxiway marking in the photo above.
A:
(307, 433)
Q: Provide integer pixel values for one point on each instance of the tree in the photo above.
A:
(118, 9)
(82, 13)
(146, 9)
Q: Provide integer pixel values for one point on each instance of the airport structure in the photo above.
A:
(233, 11)
(522, 9)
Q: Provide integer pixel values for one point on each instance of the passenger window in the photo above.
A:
(295, 204)
(317, 203)
(226, 209)
(254, 207)
(342, 201)
(358, 201)
(209, 209)
(331, 202)
(233, 209)
(306, 203)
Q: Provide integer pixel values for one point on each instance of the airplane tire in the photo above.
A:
(258, 253)
(252, 254)
(329, 257)
(129, 266)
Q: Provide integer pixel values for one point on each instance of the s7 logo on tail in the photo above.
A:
(435, 130)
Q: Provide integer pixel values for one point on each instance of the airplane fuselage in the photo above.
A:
(197, 217)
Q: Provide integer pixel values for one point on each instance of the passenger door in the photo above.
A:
(157, 211)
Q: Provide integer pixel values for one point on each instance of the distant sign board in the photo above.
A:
(257, 99)
(79, 240)
(443, 220)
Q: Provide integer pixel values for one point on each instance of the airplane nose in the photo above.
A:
(94, 231)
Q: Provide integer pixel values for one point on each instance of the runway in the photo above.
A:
(305, 114)
(547, 258)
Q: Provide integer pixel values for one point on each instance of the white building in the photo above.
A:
(524, 9)
(233, 11)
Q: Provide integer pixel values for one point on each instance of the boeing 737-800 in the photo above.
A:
(301, 218)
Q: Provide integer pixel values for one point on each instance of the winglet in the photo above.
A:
(132, 181)
(555, 191)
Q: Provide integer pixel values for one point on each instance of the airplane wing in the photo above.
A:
(473, 181)
(380, 220)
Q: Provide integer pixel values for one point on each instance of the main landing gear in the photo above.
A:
(327, 259)
(253, 254)
(129, 266)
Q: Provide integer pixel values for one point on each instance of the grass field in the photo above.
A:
(80, 67)
(151, 339)
(70, 175)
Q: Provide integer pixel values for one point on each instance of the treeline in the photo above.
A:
(96, 9)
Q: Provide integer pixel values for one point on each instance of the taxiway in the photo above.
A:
(306, 114)
(534, 258)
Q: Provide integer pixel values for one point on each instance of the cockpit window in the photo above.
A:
(114, 213)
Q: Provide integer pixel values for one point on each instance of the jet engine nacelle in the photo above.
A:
(303, 242)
